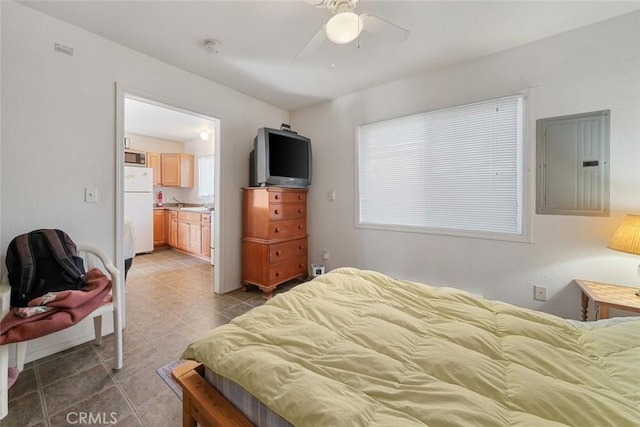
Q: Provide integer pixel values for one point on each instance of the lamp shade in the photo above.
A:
(343, 27)
(627, 236)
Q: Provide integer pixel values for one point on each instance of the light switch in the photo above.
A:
(90, 194)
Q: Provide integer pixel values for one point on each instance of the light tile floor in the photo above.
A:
(169, 303)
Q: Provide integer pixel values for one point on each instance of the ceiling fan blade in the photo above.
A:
(313, 44)
(383, 28)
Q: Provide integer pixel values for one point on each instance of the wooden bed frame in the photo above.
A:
(203, 405)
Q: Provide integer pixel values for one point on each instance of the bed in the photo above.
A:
(358, 348)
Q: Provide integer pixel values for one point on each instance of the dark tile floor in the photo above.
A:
(169, 303)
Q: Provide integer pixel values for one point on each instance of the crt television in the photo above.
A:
(281, 158)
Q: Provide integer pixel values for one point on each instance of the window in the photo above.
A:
(205, 176)
(453, 171)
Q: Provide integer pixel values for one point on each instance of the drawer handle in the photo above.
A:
(277, 197)
(300, 265)
(301, 247)
(277, 212)
(277, 274)
(277, 229)
(300, 197)
(300, 227)
(277, 253)
(299, 210)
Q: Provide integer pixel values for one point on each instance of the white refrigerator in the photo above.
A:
(138, 205)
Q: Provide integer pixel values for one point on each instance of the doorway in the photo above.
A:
(141, 126)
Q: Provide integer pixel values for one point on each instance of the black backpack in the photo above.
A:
(42, 261)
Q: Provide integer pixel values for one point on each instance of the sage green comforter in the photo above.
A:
(358, 348)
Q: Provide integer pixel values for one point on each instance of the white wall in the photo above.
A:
(58, 131)
(1, 96)
(593, 68)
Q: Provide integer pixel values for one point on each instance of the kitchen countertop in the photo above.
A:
(186, 208)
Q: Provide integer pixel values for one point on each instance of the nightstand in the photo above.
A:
(605, 296)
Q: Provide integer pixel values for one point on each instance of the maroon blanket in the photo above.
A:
(68, 308)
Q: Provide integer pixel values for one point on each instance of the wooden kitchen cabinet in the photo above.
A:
(206, 236)
(153, 162)
(159, 228)
(172, 228)
(274, 242)
(183, 235)
(195, 238)
(189, 232)
(192, 229)
(177, 169)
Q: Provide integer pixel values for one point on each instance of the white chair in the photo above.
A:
(93, 257)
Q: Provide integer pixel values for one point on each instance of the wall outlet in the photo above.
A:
(317, 270)
(540, 293)
(325, 254)
(331, 195)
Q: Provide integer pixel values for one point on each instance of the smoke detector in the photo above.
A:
(212, 46)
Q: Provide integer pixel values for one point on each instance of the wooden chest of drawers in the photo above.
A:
(274, 242)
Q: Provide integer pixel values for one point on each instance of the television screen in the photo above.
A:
(288, 156)
(281, 158)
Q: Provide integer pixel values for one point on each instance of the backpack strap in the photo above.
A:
(27, 264)
(60, 253)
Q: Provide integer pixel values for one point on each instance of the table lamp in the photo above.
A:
(627, 237)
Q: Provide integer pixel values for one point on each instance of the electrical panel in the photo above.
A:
(572, 155)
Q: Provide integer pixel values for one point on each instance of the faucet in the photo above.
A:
(180, 204)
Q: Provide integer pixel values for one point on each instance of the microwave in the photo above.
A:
(135, 158)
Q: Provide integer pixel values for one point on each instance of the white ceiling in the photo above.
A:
(259, 39)
(147, 119)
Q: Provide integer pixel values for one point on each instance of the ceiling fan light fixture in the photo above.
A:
(343, 27)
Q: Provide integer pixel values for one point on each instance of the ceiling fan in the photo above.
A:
(345, 26)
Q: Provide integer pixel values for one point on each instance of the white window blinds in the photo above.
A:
(455, 169)
(205, 176)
